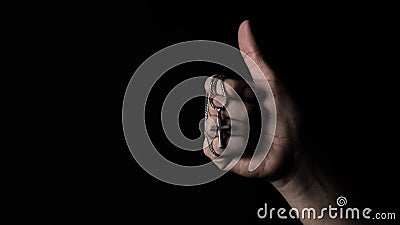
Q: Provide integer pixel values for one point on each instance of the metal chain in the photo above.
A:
(209, 97)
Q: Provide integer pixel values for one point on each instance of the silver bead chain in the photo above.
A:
(209, 96)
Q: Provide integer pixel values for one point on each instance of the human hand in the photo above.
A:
(285, 144)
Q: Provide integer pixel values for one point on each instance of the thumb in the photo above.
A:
(252, 55)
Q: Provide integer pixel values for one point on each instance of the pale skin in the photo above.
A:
(287, 166)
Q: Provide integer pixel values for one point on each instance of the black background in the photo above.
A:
(65, 70)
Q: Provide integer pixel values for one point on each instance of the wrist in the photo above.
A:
(305, 185)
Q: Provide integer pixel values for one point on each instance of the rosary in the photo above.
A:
(219, 128)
